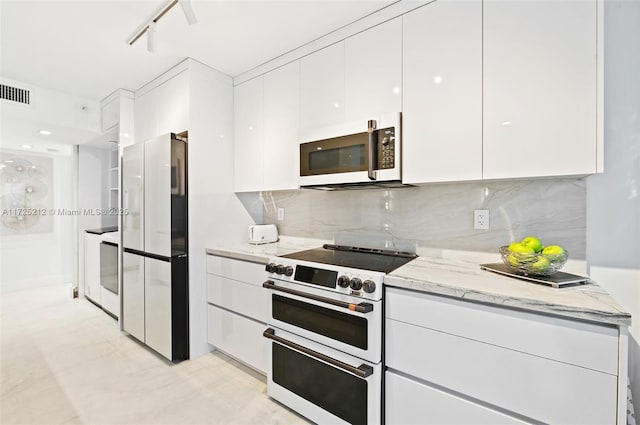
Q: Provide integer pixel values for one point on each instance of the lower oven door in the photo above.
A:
(322, 384)
(329, 318)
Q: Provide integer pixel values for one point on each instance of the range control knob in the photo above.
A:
(343, 281)
(271, 267)
(288, 271)
(280, 269)
(356, 284)
(369, 286)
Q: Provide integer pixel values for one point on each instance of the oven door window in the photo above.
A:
(344, 327)
(331, 389)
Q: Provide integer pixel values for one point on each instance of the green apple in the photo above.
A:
(533, 243)
(541, 265)
(513, 260)
(553, 252)
(520, 248)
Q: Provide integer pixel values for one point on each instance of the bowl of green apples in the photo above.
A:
(530, 257)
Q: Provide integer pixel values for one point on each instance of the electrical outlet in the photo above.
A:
(481, 219)
(281, 214)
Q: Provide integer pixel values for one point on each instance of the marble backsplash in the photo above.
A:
(438, 216)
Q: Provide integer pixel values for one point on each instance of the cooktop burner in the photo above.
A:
(354, 257)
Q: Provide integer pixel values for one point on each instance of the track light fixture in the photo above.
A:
(150, 27)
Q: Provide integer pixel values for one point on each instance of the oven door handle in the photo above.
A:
(360, 308)
(362, 371)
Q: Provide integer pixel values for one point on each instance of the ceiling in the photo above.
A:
(79, 47)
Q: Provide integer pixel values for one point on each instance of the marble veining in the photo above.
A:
(439, 215)
(461, 279)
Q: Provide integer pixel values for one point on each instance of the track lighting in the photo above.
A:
(150, 28)
(151, 37)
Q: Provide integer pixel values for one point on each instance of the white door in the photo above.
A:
(133, 295)
(539, 88)
(249, 133)
(322, 91)
(133, 196)
(157, 196)
(157, 305)
(281, 121)
(442, 93)
(373, 72)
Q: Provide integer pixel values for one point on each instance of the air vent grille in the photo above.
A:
(14, 94)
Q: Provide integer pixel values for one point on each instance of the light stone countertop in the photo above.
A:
(261, 253)
(464, 279)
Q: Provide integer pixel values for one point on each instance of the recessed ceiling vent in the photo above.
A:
(15, 94)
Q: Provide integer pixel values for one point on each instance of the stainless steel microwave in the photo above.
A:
(357, 155)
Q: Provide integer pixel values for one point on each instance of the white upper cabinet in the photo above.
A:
(249, 134)
(281, 120)
(373, 72)
(322, 90)
(163, 109)
(442, 93)
(146, 116)
(539, 88)
(173, 104)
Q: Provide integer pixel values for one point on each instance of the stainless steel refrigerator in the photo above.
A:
(155, 292)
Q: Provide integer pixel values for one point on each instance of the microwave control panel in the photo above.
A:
(386, 148)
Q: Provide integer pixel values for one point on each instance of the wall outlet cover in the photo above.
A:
(481, 219)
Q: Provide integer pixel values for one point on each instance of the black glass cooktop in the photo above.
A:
(353, 257)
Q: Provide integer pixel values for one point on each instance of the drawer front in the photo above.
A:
(535, 387)
(583, 344)
(243, 271)
(243, 298)
(410, 402)
(238, 337)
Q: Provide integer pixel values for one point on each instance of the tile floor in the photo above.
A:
(64, 361)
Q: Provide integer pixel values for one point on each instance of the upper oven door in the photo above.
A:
(359, 152)
(343, 322)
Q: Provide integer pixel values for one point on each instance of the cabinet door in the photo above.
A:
(539, 88)
(249, 132)
(157, 305)
(409, 402)
(373, 72)
(322, 91)
(238, 336)
(442, 93)
(173, 104)
(110, 114)
(146, 116)
(133, 295)
(281, 120)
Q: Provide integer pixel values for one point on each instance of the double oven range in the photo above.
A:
(325, 326)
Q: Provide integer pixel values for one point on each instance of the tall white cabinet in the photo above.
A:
(540, 85)
(442, 100)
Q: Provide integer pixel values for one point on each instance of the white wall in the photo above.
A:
(41, 259)
(613, 198)
(216, 216)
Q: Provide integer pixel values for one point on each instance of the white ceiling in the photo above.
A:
(79, 47)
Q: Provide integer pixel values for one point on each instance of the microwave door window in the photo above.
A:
(338, 160)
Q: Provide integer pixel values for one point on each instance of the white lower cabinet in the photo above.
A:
(487, 364)
(237, 310)
(411, 402)
(238, 336)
